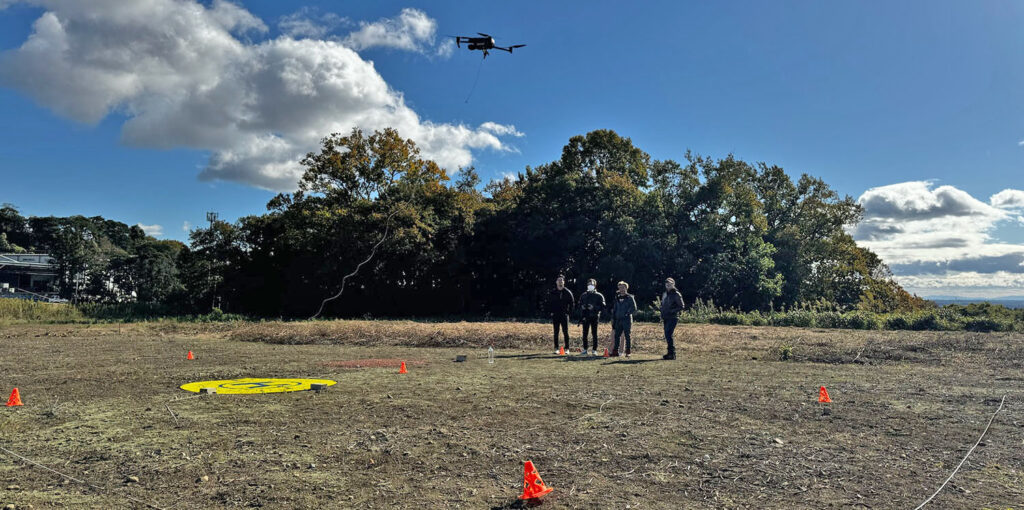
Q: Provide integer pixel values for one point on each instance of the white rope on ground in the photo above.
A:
(73, 479)
(969, 452)
(387, 227)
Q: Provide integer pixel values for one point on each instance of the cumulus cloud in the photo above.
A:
(941, 237)
(152, 230)
(186, 227)
(184, 75)
(1008, 199)
(918, 201)
(411, 30)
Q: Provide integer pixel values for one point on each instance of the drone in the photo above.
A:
(485, 43)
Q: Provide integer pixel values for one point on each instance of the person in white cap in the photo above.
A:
(591, 304)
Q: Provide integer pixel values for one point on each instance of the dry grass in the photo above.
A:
(726, 426)
(23, 310)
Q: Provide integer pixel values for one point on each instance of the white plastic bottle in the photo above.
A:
(490, 354)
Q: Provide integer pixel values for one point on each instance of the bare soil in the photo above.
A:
(728, 425)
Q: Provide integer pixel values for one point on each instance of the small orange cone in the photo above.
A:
(190, 356)
(606, 352)
(561, 351)
(533, 486)
(15, 399)
(402, 370)
(823, 396)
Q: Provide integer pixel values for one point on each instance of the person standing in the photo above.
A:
(671, 305)
(560, 304)
(591, 304)
(623, 308)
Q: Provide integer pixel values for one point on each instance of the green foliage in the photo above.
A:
(986, 324)
(746, 244)
(218, 315)
(795, 318)
(785, 352)
(862, 320)
(830, 320)
(729, 319)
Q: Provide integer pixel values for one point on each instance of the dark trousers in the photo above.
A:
(589, 324)
(563, 321)
(670, 329)
(624, 328)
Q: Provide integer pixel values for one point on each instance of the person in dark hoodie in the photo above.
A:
(591, 304)
(623, 308)
(560, 303)
(671, 305)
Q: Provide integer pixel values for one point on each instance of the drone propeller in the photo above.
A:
(517, 46)
(483, 34)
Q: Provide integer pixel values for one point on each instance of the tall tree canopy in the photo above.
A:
(745, 236)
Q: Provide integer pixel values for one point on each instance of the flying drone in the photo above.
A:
(484, 43)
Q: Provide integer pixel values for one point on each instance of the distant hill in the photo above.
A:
(1009, 302)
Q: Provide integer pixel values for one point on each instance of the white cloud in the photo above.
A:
(183, 76)
(940, 237)
(186, 227)
(1008, 199)
(500, 130)
(307, 22)
(917, 200)
(411, 30)
(446, 48)
(152, 230)
(970, 284)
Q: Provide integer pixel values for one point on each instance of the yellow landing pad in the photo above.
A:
(252, 385)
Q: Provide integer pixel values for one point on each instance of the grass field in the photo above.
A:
(729, 425)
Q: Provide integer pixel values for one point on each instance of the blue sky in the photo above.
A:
(913, 107)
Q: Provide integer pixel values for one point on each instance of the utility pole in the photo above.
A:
(211, 217)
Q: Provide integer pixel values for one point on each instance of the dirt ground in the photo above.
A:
(728, 425)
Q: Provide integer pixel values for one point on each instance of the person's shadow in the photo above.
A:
(582, 358)
(631, 361)
(527, 356)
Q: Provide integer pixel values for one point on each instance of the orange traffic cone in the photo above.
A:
(15, 399)
(402, 370)
(823, 396)
(606, 352)
(533, 486)
(190, 356)
(561, 351)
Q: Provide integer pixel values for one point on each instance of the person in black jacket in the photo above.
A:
(671, 305)
(560, 303)
(591, 304)
(623, 308)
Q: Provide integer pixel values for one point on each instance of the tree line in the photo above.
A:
(742, 236)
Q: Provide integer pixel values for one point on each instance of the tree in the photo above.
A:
(207, 267)
(14, 229)
(76, 253)
(353, 189)
(746, 236)
(151, 274)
